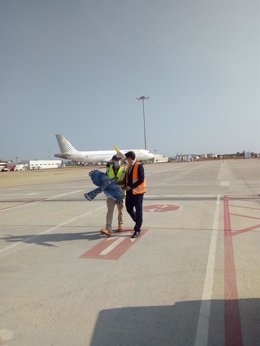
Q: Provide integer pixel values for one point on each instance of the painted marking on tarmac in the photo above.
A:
(147, 196)
(233, 331)
(20, 205)
(112, 248)
(243, 207)
(246, 216)
(5, 335)
(249, 228)
(245, 230)
(64, 194)
(224, 183)
(160, 208)
(204, 314)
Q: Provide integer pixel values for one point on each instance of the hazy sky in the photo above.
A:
(75, 67)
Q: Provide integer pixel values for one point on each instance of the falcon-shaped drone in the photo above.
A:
(108, 186)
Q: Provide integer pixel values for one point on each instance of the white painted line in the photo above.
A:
(32, 193)
(29, 203)
(24, 204)
(10, 247)
(111, 238)
(224, 183)
(112, 246)
(180, 196)
(52, 228)
(204, 315)
(64, 194)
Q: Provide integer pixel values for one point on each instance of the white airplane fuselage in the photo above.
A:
(68, 152)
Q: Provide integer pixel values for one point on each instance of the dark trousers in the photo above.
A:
(134, 207)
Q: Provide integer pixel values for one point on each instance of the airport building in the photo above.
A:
(43, 164)
(160, 158)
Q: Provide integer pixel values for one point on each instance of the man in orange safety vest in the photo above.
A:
(135, 186)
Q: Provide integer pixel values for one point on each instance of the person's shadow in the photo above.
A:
(48, 239)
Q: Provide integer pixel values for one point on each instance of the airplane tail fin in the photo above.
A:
(64, 144)
(119, 153)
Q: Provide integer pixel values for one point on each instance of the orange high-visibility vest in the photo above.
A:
(140, 188)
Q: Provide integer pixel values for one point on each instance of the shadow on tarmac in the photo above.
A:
(47, 239)
(175, 325)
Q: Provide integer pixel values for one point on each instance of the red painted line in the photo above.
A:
(240, 206)
(246, 216)
(241, 231)
(96, 250)
(233, 331)
(118, 251)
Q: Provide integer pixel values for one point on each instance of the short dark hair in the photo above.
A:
(130, 154)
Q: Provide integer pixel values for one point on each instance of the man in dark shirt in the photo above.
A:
(135, 186)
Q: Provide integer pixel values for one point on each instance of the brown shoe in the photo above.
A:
(120, 228)
(105, 232)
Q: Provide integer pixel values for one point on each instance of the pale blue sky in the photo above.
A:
(75, 67)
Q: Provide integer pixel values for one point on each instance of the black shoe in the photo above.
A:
(135, 234)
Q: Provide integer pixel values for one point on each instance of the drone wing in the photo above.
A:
(114, 191)
(92, 194)
(105, 184)
(98, 177)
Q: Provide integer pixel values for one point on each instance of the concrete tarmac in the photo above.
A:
(192, 278)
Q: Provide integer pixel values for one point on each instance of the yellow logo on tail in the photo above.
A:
(119, 153)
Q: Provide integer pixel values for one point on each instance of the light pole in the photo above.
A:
(143, 98)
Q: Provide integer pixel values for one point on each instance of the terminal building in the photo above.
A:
(160, 158)
(43, 164)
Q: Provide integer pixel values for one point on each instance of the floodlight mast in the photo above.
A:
(143, 98)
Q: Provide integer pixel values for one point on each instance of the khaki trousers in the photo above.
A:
(110, 210)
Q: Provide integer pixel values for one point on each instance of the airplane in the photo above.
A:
(68, 152)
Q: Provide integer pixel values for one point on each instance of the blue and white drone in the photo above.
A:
(108, 186)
